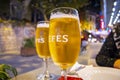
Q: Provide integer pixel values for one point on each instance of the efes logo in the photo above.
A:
(40, 40)
(58, 38)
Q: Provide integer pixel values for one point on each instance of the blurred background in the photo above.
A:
(18, 19)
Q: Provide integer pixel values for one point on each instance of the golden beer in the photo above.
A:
(42, 47)
(64, 40)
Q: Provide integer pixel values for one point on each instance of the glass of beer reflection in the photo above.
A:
(41, 41)
(64, 37)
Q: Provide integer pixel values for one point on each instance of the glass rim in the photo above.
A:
(64, 8)
(43, 22)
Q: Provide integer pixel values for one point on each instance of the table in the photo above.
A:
(31, 75)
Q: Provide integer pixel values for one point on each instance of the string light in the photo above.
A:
(115, 13)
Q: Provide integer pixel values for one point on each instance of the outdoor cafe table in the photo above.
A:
(31, 75)
(87, 73)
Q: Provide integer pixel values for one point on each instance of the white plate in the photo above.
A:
(99, 73)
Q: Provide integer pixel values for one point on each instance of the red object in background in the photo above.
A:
(102, 22)
(70, 78)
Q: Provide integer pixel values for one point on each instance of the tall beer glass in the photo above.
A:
(64, 37)
(41, 40)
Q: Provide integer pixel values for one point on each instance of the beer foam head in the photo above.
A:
(60, 15)
(43, 25)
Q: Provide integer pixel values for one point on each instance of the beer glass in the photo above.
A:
(64, 37)
(41, 41)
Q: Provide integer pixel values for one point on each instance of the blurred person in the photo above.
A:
(84, 45)
(109, 54)
(84, 41)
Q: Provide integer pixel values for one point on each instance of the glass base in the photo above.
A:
(46, 77)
